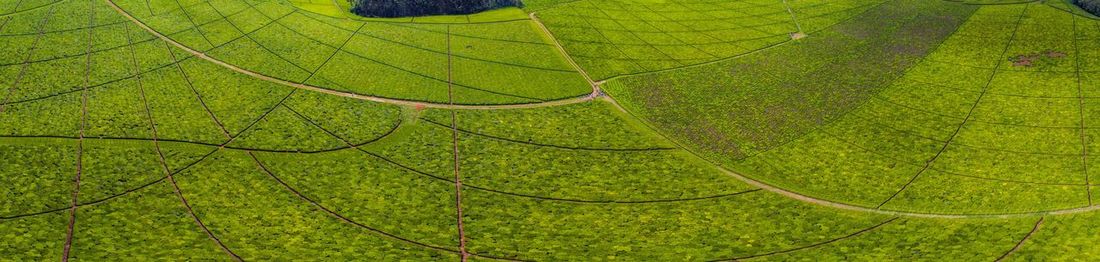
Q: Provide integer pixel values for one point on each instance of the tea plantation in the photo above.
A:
(565, 130)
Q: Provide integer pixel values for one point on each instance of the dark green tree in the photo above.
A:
(1093, 6)
(404, 8)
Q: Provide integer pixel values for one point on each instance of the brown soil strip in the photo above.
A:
(454, 146)
(80, 140)
(1021, 243)
(1081, 113)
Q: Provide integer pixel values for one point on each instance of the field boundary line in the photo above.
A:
(1022, 240)
(71, 229)
(928, 164)
(454, 147)
(818, 244)
(378, 99)
(1081, 111)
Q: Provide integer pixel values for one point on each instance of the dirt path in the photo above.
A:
(80, 139)
(454, 146)
(385, 100)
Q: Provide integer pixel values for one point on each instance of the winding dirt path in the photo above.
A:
(323, 90)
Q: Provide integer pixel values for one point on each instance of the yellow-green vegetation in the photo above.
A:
(569, 130)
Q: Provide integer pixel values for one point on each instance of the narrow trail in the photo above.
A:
(80, 141)
(1022, 240)
(323, 90)
(454, 146)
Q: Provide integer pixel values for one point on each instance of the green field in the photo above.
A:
(566, 130)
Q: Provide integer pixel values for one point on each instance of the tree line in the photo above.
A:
(405, 8)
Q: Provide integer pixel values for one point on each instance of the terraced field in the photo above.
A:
(570, 130)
